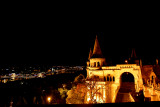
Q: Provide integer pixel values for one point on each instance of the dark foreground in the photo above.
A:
(34, 92)
(98, 105)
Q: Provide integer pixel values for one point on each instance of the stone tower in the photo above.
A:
(96, 59)
(105, 83)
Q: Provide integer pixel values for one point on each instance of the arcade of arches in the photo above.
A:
(119, 78)
(120, 83)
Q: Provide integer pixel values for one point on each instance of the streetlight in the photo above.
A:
(49, 99)
(126, 61)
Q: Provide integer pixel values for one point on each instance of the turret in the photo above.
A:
(133, 59)
(97, 60)
(90, 55)
(97, 53)
(133, 54)
(156, 61)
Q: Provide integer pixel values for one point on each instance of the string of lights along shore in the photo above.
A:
(100, 78)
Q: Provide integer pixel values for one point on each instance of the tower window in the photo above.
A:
(98, 64)
(107, 78)
(113, 78)
(110, 78)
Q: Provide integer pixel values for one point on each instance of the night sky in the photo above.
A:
(72, 47)
(65, 40)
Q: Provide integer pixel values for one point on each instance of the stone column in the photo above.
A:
(154, 81)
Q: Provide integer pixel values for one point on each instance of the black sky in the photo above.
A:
(72, 47)
(65, 38)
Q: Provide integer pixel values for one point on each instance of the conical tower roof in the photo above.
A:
(97, 53)
(90, 54)
(133, 55)
(133, 58)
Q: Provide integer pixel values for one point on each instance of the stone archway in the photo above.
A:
(127, 87)
(127, 82)
(127, 77)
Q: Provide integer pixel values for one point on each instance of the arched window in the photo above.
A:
(98, 64)
(107, 78)
(113, 78)
(104, 79)
(152, 77)
(110, 78)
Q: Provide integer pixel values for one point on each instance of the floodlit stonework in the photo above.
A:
(130, 82)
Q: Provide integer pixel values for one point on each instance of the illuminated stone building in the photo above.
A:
(129, 82)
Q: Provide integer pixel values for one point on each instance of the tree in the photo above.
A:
(79, 79)
(92, 90)
(77, 94)
(63, 92)
(78, 91)
(80, 88)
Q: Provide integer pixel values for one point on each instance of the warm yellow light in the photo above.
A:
(49, 99)
(126, 61)
(88, 99)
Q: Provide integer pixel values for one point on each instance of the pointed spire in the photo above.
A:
(133, 55)
(90, 54)
(156, 61)
(97, 53)
(141, 64)
(133, 58)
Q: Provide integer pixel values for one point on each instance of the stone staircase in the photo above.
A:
(126, 93)
(124, 97)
